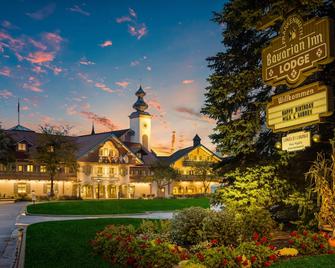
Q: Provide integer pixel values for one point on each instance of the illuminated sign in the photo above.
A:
(300, 107)
(298, 51)
(296, 141)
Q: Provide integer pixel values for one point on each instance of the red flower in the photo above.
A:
(267, 264)
(239, 259)
(131, 260)
(225, 262)
(294, 233)
(214, 241)
(291, 242)
(200, 256)
(305, 233)
(321, 246)
(315, 237)
(245, 263)
(253, 259)
(158, 241)
(302, 245)
(330, 251)
(272, 247)
(255, 236)
(264, 240)
(273, 257)
(258, 243)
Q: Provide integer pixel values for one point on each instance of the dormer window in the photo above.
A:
(22, 147)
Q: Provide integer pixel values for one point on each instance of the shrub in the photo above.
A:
(309, 243)
(186, 226)
(122, 246)
(226, 226)
(155, 229)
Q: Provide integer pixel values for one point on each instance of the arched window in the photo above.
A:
(145, 141)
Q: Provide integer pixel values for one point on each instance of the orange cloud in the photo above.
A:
(186, 82)
(40, 57)
(5, 94)
(5, 71)
(122, 84)
(33, 84)
(107, 43)
(101, 120)
(103, 87)
(138, 31)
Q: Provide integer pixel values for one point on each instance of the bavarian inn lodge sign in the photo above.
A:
(298, 51)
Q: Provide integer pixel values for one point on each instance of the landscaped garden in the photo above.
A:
(117, 206)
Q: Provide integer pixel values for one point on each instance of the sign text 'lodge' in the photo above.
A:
(298, 51)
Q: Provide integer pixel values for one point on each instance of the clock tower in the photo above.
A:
(140, 121)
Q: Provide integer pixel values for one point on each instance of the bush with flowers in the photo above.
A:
(309, 243)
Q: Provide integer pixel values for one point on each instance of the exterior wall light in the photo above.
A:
(278, 145)
(316, 138)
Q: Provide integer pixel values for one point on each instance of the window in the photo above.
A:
(43, 169)
(145, 141)
(111, 171)
(19, 168)
(30, 168)
(51, 149)
(99, 170)
(2, 167)
(21, 146)
(21, 188)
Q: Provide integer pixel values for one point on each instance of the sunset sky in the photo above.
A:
(72, 62)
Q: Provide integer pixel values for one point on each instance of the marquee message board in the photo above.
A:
(298, 51)
(296, 141)
(300, 107)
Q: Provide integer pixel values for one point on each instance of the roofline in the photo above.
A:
(194, 147)
(128, 129)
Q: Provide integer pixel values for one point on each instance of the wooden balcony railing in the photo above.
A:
(19, 175)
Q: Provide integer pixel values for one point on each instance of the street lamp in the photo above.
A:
(99, 180)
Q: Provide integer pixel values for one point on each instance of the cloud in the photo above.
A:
(155, 104)
(5, 71)
(78, 9)
(101, 120)
(38, 69)
(134, 27)
(5, 94)
(107, 43)
(132, 13)
(149, 68)
(57, 70)
(138, 30)
(134, 63)
(33, 84)
(37, 44)
(187, 82)
(54, 40)
(40, 57)
(43, 12)
(24, 108)
(85, 61)
(123, 19)
(8, 25)
(195, 114)
(103, 87)
(123, 84)
(85, 78)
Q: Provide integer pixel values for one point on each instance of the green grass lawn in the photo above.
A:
(66, 243)
(324, 261)
(122, 206)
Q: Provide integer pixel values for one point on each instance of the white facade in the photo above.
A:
(141, 125)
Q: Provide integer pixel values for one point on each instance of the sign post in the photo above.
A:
(296, 141)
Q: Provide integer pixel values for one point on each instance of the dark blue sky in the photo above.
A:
(72, 62)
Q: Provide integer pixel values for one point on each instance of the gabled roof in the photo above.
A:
(20, 128)
(168, 160)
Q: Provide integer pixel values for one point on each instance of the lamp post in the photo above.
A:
(99, 180)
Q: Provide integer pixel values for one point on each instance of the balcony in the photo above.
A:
(190, 163)
(19, 175)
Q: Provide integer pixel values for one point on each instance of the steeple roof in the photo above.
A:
(140, 105)
(20, 128)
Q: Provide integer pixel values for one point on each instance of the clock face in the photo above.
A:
(145, 125)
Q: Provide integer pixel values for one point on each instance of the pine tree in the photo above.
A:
(236, 96)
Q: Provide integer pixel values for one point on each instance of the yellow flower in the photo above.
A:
(287, 252)
(189, 264)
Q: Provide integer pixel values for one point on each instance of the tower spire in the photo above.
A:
(140, 105)
(18, 111)
(93, 131)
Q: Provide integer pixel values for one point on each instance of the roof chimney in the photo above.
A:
(93, 131)
(196, 140)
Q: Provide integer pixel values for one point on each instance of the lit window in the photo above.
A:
(30, 168)
(105, 152)
(21, 188)
(111, 171)
(51, 149)
(99, 170)
(21, 146)
(43, 169)
(2, 167)
(19, 168)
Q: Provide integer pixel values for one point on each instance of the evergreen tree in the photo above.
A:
(7, 148)
(236, 96)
